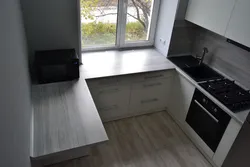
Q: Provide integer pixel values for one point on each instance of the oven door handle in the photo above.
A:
(204, 109)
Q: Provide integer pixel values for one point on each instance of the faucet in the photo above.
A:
(205, 51)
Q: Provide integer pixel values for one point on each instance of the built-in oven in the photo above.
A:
(207, 120)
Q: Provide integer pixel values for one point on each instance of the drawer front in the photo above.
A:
(112, 112)
(153, 76)
(108, 81)
(150, 96)
(112, 101)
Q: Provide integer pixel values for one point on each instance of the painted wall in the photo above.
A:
(51, 24)
(181, 12)
(229, 59)
(182, 40)
(14, 90)
(168, 9)
(183, 35)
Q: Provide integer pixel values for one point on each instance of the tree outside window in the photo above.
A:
(99, 19)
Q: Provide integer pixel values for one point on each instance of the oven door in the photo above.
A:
(209, 126)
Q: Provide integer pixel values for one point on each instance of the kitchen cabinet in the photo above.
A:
(150, 96)
(239, 24)
(112, 101)
(213, 15)
(181, 96)
(123, 96)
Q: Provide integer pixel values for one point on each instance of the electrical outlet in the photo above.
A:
(163, 41)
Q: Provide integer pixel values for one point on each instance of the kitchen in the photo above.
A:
(184, 102)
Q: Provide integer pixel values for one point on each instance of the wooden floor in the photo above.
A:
(152, 140)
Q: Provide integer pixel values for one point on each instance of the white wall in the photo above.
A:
(165, 25)
(14, 88)
(51, 24)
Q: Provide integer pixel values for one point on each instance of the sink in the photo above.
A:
(184, 61)
(191, 66)
(202, 73)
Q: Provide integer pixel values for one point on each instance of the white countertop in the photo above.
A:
(112, 63)
(64, 114)
(64, 117)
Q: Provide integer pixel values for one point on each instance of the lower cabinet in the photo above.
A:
(112, 102)
(130, 95)
(180, 99)
(150, 96)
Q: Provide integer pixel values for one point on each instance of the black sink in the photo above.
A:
(191, 66)
(184, 61)
(202, 73)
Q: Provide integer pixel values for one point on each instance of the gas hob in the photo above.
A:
(228, 93)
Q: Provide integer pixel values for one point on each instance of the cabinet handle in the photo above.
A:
(149, 100)
(109, 91)
(155, 76)
(108, 108)
(204, 109)
(151, 85)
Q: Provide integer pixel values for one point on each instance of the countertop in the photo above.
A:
(112, 63)
(64, 114)
(64, 117)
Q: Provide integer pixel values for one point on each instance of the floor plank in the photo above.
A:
(152, 140)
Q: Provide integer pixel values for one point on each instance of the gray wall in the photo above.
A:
(51, 24)
(181, 12)
(182, 40)
(168, 9)
(229, 59)
(183, 35)
(14, 90)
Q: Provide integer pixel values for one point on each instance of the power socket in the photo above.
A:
(163, 41)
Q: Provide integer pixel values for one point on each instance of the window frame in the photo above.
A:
(120, 42)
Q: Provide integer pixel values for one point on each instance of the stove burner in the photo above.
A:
(228, 93)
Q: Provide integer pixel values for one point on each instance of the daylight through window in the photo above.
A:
(118, 23)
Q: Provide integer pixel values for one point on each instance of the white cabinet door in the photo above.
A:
(213, 15)
(181, 96)
(112, 101)
(150, 96)
(239, 25)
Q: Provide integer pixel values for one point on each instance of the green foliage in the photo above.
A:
(88, 6)
(134, 31)
(105, 33)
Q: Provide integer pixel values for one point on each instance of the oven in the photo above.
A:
(207, 120)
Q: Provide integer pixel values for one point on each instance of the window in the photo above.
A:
(118, 23)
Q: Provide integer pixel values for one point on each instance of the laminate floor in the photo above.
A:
(152, 140)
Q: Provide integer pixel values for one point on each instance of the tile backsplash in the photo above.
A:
(228, 58)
